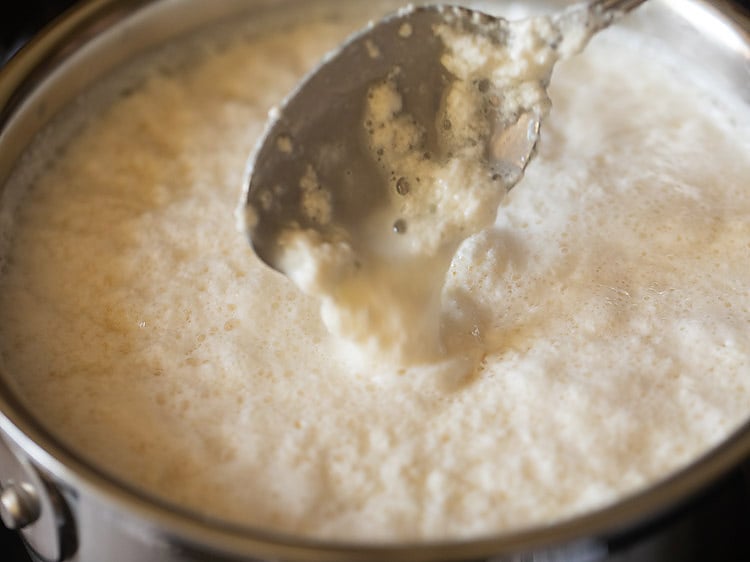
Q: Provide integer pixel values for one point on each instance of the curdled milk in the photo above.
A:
(380, 283)
(607, 309)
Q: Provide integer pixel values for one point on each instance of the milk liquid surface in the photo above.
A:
(611, 300)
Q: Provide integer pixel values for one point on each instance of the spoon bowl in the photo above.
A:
(314, 170)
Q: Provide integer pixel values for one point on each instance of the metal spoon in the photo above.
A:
(318, 132)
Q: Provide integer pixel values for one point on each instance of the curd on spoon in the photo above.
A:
(395, 150)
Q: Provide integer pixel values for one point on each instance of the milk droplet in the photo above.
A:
(372, 49)
(284, 144)
(405, 30)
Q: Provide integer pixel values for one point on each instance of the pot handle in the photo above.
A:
(31, 505)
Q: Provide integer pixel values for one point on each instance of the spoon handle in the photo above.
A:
(603, 13)
(616, 5)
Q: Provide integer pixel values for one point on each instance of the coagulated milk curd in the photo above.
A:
(596, 333)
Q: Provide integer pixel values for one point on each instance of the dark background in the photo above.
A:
(21, 18)
(717, 528)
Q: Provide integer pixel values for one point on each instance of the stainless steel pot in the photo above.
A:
(67, 509)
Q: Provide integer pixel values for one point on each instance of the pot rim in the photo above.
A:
(66, 467)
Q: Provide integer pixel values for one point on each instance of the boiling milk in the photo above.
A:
(606, 310)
